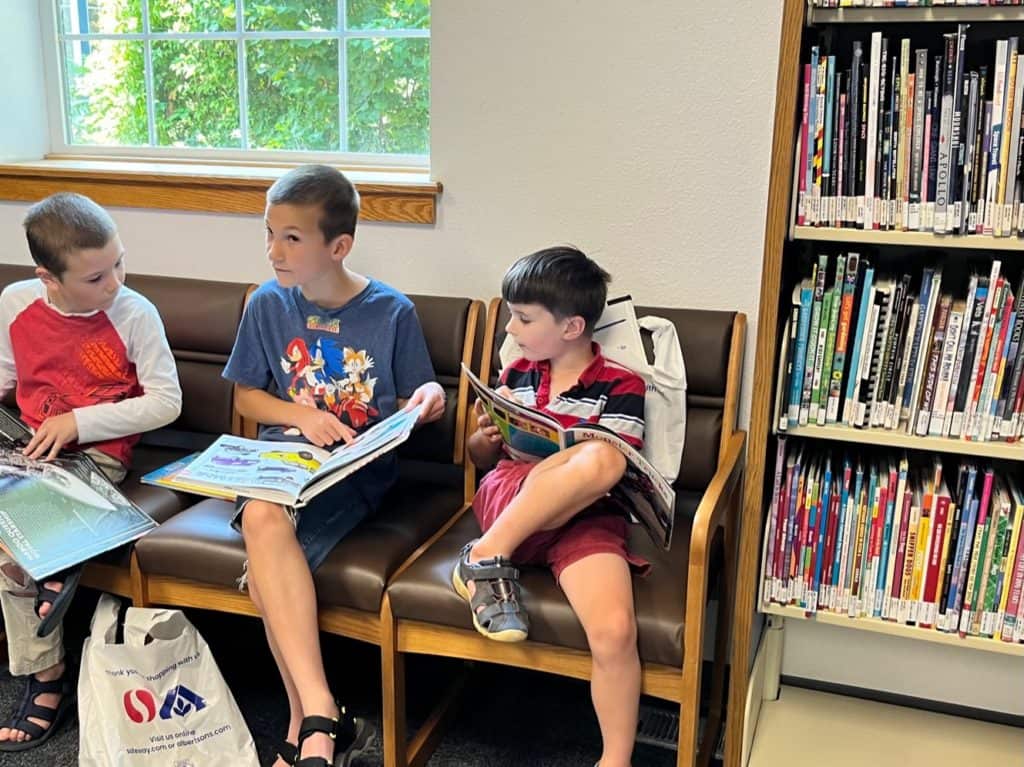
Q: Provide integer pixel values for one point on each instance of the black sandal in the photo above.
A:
(503, 617)
(288, 752)
(58, 600)
(28, 707)
(351, 736)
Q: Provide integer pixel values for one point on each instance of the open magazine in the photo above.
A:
(289, 473)
(530, 435)
(55, 514)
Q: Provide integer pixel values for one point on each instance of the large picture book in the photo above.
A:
(531, 435)
(55, 514)
(289, 473)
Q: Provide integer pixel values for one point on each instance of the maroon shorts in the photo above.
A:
(600, 529)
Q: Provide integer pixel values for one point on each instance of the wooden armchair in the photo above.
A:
(421, 613)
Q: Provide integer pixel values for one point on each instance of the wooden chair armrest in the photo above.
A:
(716, 501)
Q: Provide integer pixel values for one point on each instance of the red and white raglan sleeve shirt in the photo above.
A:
(113, 369)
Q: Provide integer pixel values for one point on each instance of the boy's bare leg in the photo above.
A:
(278, 568)
(559, 488)
(294, 704)
(600, 589)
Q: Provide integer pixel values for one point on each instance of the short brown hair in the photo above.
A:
(63, 223)
(562, 280)
(322, 186)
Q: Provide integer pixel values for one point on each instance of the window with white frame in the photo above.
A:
(243, 78)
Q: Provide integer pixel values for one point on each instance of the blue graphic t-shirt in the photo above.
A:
(355, 361)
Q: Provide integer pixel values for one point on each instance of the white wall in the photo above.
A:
(640, 132)
(23, 129)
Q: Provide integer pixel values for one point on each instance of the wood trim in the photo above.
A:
(430, 639)
(461, 410)
(392, 677)
(711, 515)
(112, 578)
(241, 426)
(208, 189)
(733, 383)
(490, 331)
(776, 224)
(343, 621)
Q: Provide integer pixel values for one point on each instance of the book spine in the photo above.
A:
(930, 383)
(917, 146)
(874, 75)
(945, 137)
(1013, 602)
(801, 206)
(927, 620)
(952, 341)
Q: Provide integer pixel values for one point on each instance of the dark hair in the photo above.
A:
(562, 280)
(325, 187)
(62, 223)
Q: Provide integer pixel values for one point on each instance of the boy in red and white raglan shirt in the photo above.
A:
(93, 369)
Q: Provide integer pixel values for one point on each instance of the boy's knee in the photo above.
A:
(17, 578)
(613, 635)
(603, 463)
(262, 518)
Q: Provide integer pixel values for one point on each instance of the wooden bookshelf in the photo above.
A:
(787, 249)
(915, 239)
(1013, 451)
(896, 629)
(951, 14)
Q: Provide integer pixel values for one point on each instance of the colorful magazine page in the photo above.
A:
(530, 435)
(167, 476)
(289, 473)
(55, 514)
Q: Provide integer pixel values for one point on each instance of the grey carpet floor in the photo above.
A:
(507, 717)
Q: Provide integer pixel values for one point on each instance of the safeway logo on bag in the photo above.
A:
(140, 704)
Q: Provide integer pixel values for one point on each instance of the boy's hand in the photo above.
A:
(322, 428)
(51, 436)
(485, 426)
(432, 397)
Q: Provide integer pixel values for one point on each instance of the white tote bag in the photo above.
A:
(156, 699)
(618, 333)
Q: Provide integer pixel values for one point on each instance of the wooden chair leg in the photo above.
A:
(140, 594)
(693, 641)
(392, 665)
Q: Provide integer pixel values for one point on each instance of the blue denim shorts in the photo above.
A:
(330, 516)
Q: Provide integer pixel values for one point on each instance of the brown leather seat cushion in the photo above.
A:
(199, 544)
(159, 502)
(424, 591)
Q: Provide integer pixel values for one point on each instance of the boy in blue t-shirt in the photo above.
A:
(322, 353)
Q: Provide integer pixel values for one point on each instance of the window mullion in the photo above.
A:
(243, 74)
(343, 74)
(147, 69)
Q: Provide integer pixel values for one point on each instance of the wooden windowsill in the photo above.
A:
(387, 194)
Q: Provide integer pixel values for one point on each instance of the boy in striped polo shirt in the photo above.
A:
(557, 512)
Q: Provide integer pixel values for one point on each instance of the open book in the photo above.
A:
(530, 435)
(55, 514)
(289, 473)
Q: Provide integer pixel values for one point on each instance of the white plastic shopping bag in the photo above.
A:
(618, 333)
(156, 699)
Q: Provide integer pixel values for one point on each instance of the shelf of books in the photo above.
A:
(895, 629)
(895, 439)
(893, 492)
(914, 239)
(894, 500)
(869, 12)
